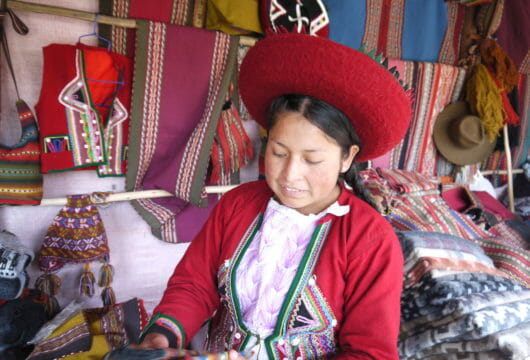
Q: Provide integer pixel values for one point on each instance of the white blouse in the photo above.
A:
(270, 263)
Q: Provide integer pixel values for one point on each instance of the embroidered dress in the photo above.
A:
(271, 261)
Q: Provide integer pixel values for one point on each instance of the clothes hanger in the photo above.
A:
(120, 82)
(95, 33)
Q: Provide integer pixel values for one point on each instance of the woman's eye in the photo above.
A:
(313, 162)
(280, 155)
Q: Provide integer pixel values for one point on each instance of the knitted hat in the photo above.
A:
(460, 137)
(76, 235)
(366, 92)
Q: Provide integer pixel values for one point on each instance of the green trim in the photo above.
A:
(135, 126)
(181, 336)
(204, 156)
(232, 277)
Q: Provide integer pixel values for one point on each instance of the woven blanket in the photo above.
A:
(399, 29)
(434, 87)
(176, 12)
(511, 344)
(182, 76)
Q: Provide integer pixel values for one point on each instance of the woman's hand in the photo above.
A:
(154, 341)
(234, 355)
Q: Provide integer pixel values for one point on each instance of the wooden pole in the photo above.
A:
(88, 16)
(134, 195)
(508, 152)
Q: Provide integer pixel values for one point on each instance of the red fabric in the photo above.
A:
(359, 273)
(493, 205)
(361, 88)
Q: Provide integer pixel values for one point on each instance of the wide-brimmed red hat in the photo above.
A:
(366, 92)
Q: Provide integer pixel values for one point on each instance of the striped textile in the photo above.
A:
(176, 12)
(20, 177)
(417, 211)
(399, 29)
(434, 87)
(91, 333)
(175, 109)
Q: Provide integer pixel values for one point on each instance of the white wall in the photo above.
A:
(142, 262)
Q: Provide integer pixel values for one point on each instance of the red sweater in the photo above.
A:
(344, 299)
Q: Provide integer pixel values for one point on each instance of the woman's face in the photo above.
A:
(302, 164)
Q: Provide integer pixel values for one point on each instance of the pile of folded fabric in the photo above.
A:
(466, 291)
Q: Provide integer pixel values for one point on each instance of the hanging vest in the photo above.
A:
(83, 109)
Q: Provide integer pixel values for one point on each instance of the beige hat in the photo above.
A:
(460, 136)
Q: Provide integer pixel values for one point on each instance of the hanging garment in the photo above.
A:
(174, 117)
(83, 109)
(399, 29)
(235, 17)
(176, 12)
(20, 177)
(76, 235)
(434, 86)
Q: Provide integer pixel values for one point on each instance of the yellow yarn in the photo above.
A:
(485, 100)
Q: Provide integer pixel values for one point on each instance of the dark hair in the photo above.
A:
(332, 122)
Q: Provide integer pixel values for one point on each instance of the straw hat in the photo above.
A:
(365, 91)
(460, 137)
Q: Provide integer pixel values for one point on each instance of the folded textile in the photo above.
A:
(174, 116)
(91, 333)
(514, 262)
(472, 326)
(512, 344)
(482, 355)
(427, 264)
(460, 306)
(430, 294)
(421, 210)
(416, 244)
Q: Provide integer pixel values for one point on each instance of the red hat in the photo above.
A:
(366, 92)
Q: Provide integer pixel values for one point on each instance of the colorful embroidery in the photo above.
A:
(57, 143)
(305, 321)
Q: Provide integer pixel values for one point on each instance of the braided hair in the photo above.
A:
(333, 123)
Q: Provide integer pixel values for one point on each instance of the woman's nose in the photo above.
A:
(292, 170)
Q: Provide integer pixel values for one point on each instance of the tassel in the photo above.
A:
(108, 297)
(485, 100)
(106, 274)
(504, 69)
(87, 281)
(49, 284)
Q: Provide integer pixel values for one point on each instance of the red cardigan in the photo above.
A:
(344, 299)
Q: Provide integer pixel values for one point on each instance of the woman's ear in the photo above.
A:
(348, 159)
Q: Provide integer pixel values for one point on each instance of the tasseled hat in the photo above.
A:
(76, 235)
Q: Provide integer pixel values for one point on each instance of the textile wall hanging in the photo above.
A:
(83, 109)
(434, 86)
(399, 29)
(177, 12)
(515, 18)
(174, 117)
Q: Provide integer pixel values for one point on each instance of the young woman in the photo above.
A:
(298, 266)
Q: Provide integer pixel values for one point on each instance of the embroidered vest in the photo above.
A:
(83, 109)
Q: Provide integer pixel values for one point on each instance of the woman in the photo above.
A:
(298, 266)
